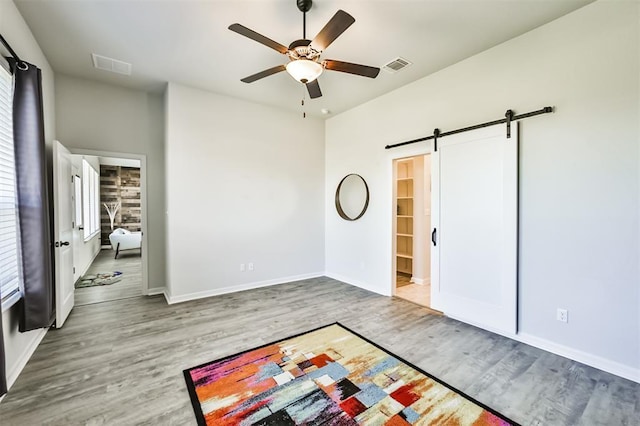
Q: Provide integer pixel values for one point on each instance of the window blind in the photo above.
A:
(90, 199)
(77, 199)
(10, 269)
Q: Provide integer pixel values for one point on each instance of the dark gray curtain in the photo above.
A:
(3, 372)
(37, 304)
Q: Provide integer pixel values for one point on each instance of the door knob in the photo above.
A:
(433, 237)
(62, 243)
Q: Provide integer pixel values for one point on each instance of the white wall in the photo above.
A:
(579, 181)
(84, 252)
(245, 183)
(20, 346)
(101, 117)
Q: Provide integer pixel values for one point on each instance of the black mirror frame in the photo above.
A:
(341, 212)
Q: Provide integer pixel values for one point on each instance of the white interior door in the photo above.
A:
(63, 227)
(474, 213)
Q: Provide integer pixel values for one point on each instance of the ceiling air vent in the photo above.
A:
(110, 64)
(396, 65)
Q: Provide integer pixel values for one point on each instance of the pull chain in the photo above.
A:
(304, 93)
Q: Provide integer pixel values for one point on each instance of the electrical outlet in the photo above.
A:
(251, 266)
(242, 267)
(562, 315)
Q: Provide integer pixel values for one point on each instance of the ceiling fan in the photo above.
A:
(305, 64)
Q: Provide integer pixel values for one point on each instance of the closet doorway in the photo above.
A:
(412, 225)
(455, 228)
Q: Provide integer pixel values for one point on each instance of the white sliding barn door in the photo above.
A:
(63, 227)
(475, 210)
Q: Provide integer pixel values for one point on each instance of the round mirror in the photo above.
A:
(352, 197)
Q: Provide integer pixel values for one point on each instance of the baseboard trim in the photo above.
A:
(421, 281)
(356, 283)
(12, 375)
(155, 291)
(88, 265)
(577, 355)
(171, 299)
(595, 361)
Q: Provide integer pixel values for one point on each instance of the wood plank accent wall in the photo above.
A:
(120, 184)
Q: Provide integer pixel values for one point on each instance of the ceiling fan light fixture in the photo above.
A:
(304, 70)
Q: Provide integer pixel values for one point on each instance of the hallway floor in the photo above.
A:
(128, 262)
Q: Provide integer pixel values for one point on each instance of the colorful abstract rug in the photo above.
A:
(327, 376)
(99, 279)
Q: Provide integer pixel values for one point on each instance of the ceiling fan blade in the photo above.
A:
(242, 30)
(263, 74)
(336, 26)
(348, 67)
(314, 89)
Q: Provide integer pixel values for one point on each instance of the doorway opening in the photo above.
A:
(109, 261)
(412, 226)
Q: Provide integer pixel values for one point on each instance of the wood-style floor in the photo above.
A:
(128, 262)
(120, 363)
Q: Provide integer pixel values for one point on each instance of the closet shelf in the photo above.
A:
(404, 239)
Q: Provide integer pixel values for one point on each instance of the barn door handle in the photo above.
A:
(433, 237)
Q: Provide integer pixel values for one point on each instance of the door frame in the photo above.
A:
(394, 242)
(414, 151)
(143, 202)
(75, 173)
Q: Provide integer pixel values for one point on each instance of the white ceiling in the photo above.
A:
(188, 42)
